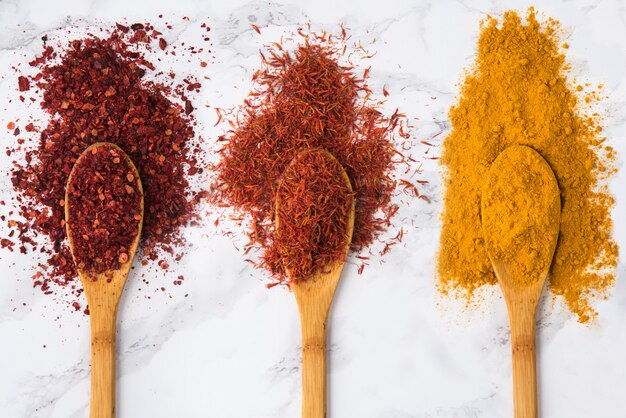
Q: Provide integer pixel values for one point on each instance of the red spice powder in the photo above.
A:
(305, 99)
(94, 91)
(313, 201)
(104, 207)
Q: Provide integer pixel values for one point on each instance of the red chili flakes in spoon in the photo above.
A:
(104, 207)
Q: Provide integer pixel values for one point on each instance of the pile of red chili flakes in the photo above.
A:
(311, 96)
(94, 91)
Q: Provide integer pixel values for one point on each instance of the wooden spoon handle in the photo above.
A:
(313, 367)
(523, 331)
(102, 365)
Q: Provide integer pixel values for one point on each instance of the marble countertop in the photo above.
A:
(222, 345)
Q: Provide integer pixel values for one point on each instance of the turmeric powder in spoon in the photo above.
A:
(520, 209)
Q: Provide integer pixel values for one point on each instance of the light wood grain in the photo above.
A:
(314, 296)
(522, 301)
(522, 307)
(103, 299)
(103, 292)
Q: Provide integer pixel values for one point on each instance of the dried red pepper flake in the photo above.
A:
(122, 28)
(188, 107)
(304, 98)
(95, 90)
(313, 201)
(102, 209)
(23, 83)
(7, 243)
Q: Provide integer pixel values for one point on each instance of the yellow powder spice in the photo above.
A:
(518, 93)
(521, 212)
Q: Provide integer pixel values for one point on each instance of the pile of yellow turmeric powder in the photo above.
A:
(521, 214)
(518, 93)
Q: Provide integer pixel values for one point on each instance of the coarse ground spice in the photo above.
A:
(104, 208)
(94, 90)
(520, 207)
(309, 97)
(518, 93)
(313, 204)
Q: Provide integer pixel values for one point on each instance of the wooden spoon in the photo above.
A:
(521, 293)
(103, 291)
(314, 296)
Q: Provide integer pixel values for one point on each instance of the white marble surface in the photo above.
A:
(231, 348)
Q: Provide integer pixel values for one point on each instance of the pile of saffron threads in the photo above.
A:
(312, 208)
(310, 97)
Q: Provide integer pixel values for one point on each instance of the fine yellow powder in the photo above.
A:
(518, 93)
(521, 214)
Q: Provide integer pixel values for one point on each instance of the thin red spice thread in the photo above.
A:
(306, 99)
